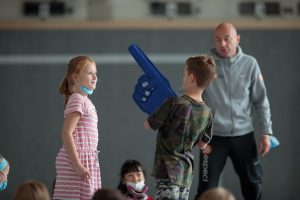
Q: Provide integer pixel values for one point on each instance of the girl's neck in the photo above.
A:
(78, 90)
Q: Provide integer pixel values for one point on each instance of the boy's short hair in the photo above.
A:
(203, 67)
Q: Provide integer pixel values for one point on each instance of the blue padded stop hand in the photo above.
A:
(152, 88)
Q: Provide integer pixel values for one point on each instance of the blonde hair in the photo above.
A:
(31, 190)
(218, 193)
(75, 67)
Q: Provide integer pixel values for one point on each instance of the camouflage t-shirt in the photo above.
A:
(182, 122)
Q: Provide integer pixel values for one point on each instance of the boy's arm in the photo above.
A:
(173, 116)
(207, 135)
(158, 118)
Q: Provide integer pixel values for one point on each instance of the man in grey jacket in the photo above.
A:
(235, 97)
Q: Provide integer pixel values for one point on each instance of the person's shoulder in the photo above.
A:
(77, 96)
(248, 57)
(184, 99)
(76, 99)
(180, 101)
(249, 62)
(174, 100)
(204, 105)
(252, 63)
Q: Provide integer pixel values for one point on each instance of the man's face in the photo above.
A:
(226, 41)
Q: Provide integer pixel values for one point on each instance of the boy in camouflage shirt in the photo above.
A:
(183, 122)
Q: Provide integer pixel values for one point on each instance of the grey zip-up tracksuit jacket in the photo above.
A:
(237, 95)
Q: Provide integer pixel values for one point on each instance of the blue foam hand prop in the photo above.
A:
(274, 142)
(152, 88)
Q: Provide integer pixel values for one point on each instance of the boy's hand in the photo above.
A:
(146, 124)
(204, 147)
(207, 150)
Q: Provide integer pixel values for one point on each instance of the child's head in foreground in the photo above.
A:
(218, 193)
(107, 194)
(31, 190)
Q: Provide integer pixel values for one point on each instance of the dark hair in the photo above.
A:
(107, 194)
(127, 167)
(204, 69)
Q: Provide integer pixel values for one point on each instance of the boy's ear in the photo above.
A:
(192, 77)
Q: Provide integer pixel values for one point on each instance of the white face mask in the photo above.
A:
(139, 186)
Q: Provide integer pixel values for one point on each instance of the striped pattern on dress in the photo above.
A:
(68, 184)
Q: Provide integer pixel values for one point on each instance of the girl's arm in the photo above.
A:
(70, 123)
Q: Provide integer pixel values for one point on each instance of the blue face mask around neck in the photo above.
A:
(3, 185)
(86, 90)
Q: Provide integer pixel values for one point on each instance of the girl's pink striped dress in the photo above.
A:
(68, 184)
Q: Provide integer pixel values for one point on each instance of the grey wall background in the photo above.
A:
(32, 110)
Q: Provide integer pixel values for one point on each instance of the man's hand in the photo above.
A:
(264, 144)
